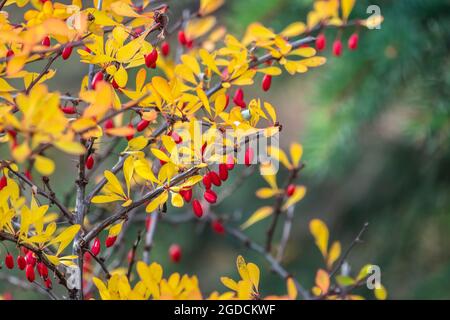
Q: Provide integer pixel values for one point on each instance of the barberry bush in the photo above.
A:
(171, 95)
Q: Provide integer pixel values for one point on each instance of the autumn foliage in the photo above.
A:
(168, 91)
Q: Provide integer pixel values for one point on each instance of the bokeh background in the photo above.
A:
(375, 128)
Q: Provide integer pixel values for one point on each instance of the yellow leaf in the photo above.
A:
(138, 143)
(320, 233)
(160, 155)
(44, 165)
(279, 155)
(115, 229)
(65, 237)
(121, 77)
(113, 183)
(313, 62)
(296, 154)
(208, 60)
(242, 268)
(253, 273)
(158, 201)
(298, 195)
(380, 292)
(71, 147)
(204, 99)
(291, 289)
(322, 281)
(229, 283)
(273, 71)
(160, 84)
(258, 215)
(347, 7)
(121, 131)
(303, 52)
(123, 9)
(177, 200)
(196, 28)
(208, 6)
(271, 111)
(4, 86)
(265, 193)
(333, 254)
(293, 30)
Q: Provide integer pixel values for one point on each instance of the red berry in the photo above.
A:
(96, 246)
(9, 53)
(142, 125)
(176, 138)
(42, 270)
(21, 262)
(69, 110)
(131, 136)
(28, 175)
(48, 283)
(151, 58)
(29, 272)
(218, 227)
(248, 157)
(230, 162)
(3, 182)
(321, 42)
(210, 196)
(9, 261)
(227, 101)
(165, 48)
(96, 79)
(197, 207)
(239, 98)
(207, 181)
(215, 179)
(46, 41)
(353, 41)
(182, 38)
(266, 82)
(337, 48)
(109, 124)
(110, 241)
(87, 49)
(223, 171)
(189, 43)
(30, 258)
(186, 194)
(90, 162)
(175, 253)
(114, 84)
(290, 190)
(67, 51)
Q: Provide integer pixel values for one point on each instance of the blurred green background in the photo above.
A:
(375, 127)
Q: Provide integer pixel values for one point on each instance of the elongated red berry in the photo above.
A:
(215, 179)
(186, 194)
(28, 175)
(266, 82)
(96, 247)
(48, 283)
(230, 162)
(290, 190)
(30, 258)
(29, 272)
(69, 110)
(110, 241)
(142, 125)
(67, 51)
(151, 58)
(176, 138)
(217, 226)
(239, 98)
(9, 261)
(197, 207)
(46, 41)
(210, 196)
(189, 43)
(227, 101)
(182, 38)
(223, 171)
(353, 41)
(21, 263)
(3, 182)
(165, 49)
(337, 47)
(114, 84)
(42, 270)
(9, 53)
(321, 42)
(96, 79)
(248, 156)
(175, 253)
(148, 222)
(90, 162)
(109, 124)
(131, 136)
(207, 181)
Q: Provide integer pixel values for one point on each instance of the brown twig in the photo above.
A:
(133, 255)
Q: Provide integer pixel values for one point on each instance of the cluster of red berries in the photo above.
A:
(321, 43)
(29, 262)
(97, 247)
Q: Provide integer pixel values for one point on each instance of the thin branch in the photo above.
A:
(286, 233)
(349, 249)
(149, 235)
(35, 286)
(101, 263)
(133, 255)
(41, 192)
